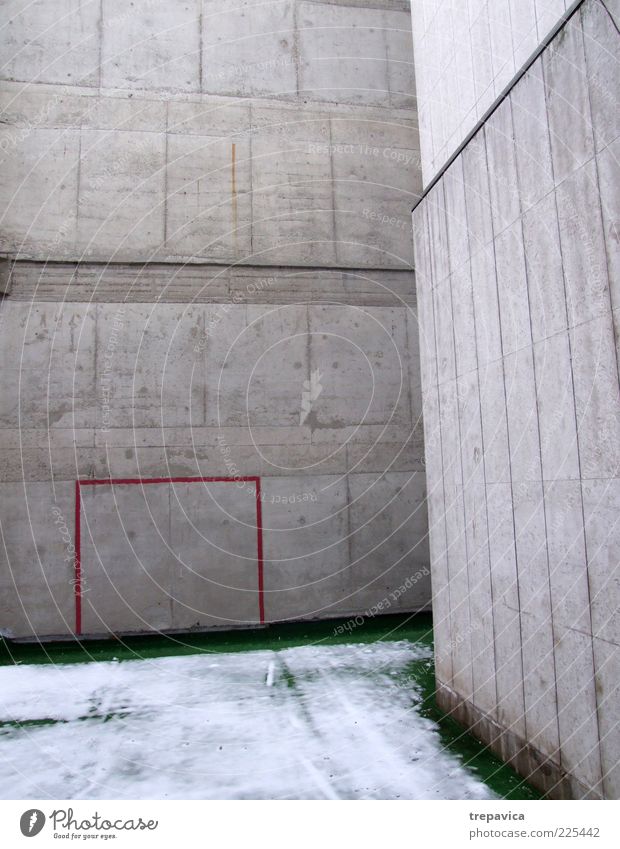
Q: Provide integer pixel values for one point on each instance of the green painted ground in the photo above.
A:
(418, 629)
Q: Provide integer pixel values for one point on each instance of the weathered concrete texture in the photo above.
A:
(197, 283)
(116, 178)
(142, 390)
(286, 48)
(184, 555)
(206, 207)
(221, 131)
(465, 55)
(516, 267)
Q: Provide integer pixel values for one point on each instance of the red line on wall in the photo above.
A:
(77, 583)
(259, 546)
(138, 481)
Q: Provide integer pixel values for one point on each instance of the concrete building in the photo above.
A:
(516, 258)
(208, 274)
(216, 363)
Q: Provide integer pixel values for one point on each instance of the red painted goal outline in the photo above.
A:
(139, 481)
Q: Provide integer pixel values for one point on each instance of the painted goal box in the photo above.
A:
(167, 554)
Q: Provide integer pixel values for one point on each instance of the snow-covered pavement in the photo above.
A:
(311, 722)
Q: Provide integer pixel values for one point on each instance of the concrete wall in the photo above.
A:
(467, 51)
(517, 274)
(222, 130)
(206, 214)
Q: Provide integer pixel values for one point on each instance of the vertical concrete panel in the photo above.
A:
(248, 50)
(364, 375)
(377, 226)
(531, 133)
(566, 85)
(37, 558)
(388, 542)
(292, 199)
(583, 246)
(440, 264)
(486, 306)
(556, 408)
(494, 422)
(160, 50)
(602, 529)
(577, 717)
(126, 559)
(456, 215)
(146, 365)
(514, 308)
(607, 665)
(601, 41)
(437, 538)
(424, 290)
(56, 42)
(502, 165)
(477, 194)
(476, 531)
(444, 329)
(47, 378)
(325, 33)
(38, 190)
(545, 273)
(307, 561)
(456, 539)
(223, 345)
(400, 68)
(522, 416)
(506, 616)
(568, 568)
(121, 193)
(597, 398)
(214, 547)
(613, 8)
(539, 673)
(208, 204)
(609, 175)
(464, 321)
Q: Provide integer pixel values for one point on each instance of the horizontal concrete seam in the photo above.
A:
(150, 264)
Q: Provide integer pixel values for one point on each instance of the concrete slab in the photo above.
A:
(156, 51)
(121, 194)
(54, 44)
(556, 408)
(568, 103)
(208, 202)
(597, 399)
(388, 544)
(306, 547)
(531, 134)
(38, 554)
(249, 50)
(544, 268)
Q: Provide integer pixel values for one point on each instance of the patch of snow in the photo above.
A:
(332, 722)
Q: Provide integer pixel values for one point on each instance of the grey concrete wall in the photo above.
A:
(262, 133)
(206, 214)
(517, 275)
(466, 53)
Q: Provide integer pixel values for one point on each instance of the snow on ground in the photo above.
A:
(311, 722)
